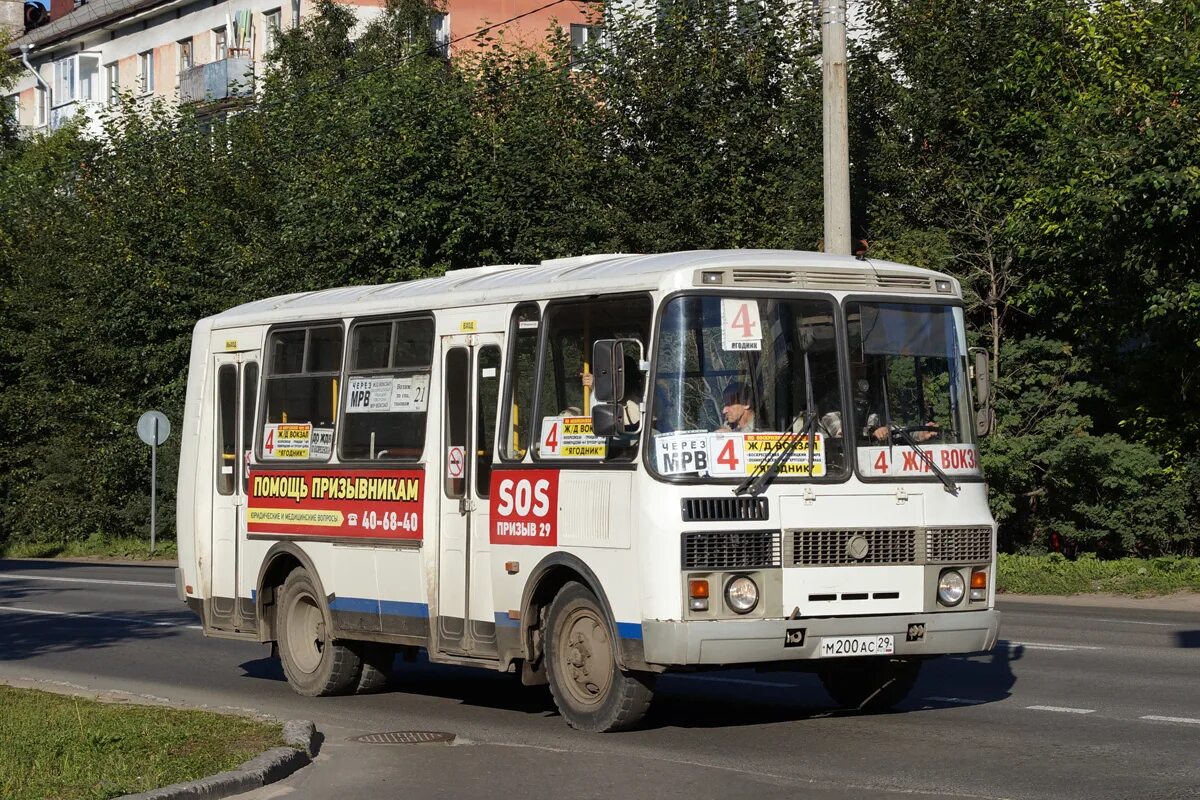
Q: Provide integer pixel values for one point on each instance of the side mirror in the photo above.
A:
(608, 369)
(983, 388)
(984, 416)
(607, 420)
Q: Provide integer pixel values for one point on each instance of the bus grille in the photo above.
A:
(731, 550)
(958, 545)
(721, 509)
(831, 548)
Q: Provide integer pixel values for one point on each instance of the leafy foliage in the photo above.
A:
(1041, 151)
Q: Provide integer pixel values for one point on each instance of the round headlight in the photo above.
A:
(951, 587)
(741, 594)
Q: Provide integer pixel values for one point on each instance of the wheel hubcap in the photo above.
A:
(306, 634)
(587, 655)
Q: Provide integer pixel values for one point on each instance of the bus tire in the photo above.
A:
(590, 690)
(870, 684)
(376, 666)
(316, 664)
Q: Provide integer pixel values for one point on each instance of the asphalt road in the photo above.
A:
(1076, 702)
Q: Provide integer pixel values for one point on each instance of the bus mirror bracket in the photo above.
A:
(606, 420)
(608, 367)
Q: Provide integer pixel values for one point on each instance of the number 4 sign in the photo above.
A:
(741, 328)
(726, 454)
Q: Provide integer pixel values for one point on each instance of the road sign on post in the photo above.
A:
(153, 428)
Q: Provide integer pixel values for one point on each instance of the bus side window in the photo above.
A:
(487, 382)
(301, 393)
(522, 370)
(249, 403)
(571, 328)
(226, 427)
(387, 389)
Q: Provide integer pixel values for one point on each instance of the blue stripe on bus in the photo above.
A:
(626, 630)
(629, 630)
(391, 608)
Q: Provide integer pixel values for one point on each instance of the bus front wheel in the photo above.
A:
(870, 684)
(590, 689)
(315, 663)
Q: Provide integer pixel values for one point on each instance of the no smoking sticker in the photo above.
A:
(456, 459)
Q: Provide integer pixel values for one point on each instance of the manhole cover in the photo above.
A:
(404, 737)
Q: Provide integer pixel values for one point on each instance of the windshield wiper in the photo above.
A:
(906, 437)
(765, 472)
(756, 482)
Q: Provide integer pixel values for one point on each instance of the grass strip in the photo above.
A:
(124, 547)
(1137, 577)
(69, 748)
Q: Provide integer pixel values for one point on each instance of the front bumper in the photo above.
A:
(751, 641)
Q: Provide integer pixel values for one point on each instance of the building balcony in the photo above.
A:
(229, 78)
(91, 110)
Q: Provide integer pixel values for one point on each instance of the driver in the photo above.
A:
(737, 408)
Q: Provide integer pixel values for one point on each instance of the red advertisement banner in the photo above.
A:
(376, 504)
(524, 507)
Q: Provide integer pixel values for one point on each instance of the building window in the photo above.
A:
(185, 55)
(585, 36)
(113, 73)
(439, 24)
(41, 111)
(146, 72)
(220, 44)
(9, 109)
(64, 81)
(271, 22)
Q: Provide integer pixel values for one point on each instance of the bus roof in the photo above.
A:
(594, 274)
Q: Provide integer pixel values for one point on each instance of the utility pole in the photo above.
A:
(833, 117)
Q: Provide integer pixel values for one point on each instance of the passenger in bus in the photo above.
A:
(631, 402)
(875, 428)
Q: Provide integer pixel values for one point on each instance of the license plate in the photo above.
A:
(837, 646)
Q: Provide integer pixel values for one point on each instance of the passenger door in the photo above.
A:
(236, 391)
(466, 621)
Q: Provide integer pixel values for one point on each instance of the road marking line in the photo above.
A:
(966, 701)
(1138, 622)
(1062, 709)
(105, 617)
(1054, 646)
(14, 576)
(743, 681)
(1188, 720)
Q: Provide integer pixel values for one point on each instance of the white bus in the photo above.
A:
(593, 470)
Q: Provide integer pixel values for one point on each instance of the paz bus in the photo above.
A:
(594, 470)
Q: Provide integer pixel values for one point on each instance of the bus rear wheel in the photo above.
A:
(315, 663)
(590, 689)
(870, 684)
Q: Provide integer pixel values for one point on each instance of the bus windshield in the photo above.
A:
(908, 376)
(738, 379)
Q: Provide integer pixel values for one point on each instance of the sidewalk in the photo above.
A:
(1179, 601)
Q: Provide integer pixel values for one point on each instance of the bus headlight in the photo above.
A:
(951, 587)
(741, 594)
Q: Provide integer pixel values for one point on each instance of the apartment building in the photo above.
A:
(210, 51)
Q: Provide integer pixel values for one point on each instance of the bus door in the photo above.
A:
(466, 622)
(235, 396)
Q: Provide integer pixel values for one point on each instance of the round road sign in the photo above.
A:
(146, 427)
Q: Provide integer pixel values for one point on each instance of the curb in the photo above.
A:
(271, 766)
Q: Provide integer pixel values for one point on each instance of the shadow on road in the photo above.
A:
(1187, 639)
(36, 630)
(715, 699)
(25, 636)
